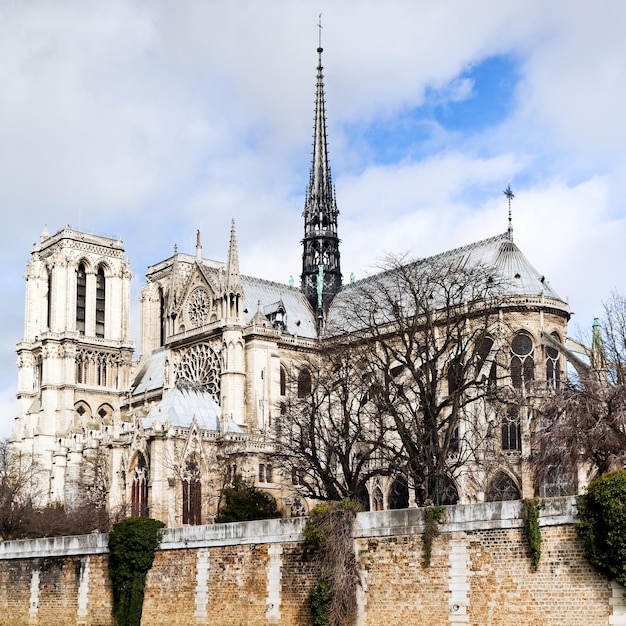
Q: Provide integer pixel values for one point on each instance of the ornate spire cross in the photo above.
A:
(508, 192)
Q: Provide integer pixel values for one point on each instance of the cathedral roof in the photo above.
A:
(298, 319)
(151, 374)
(512, 271)
(180, 406)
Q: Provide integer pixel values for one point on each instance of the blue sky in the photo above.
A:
(149, 120)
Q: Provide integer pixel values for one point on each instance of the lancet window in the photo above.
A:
(139, 489)
(100, 302)
(503, 487)
(192, 493)
(522, 361)
(553, 367)
(511, 430)
(81, 295)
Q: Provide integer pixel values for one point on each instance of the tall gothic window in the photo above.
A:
(283, 381)
(553, 367)
(161, 318)
(486, 353)
(81, 294)
(522, 361)
(139, 493)
(455, 376)
(192, 494)
(49, 302)
(511, 430)
(100, 302)
(304, 383)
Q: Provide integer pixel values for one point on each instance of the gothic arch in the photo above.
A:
(503, 487)
(105, 411)
(82, 410)
(398, 497)
(522, 360)
(139, 473)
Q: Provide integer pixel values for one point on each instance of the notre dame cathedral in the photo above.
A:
(218, 350)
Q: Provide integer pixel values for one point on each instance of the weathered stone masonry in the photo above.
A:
(259, 573)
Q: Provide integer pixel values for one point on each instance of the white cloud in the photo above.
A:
(150, 120)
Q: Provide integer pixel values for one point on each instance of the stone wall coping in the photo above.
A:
(463, 517)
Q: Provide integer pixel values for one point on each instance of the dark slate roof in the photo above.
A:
(151, 374)
(514, 274)
(299, 317)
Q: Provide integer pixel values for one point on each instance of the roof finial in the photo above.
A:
(508, 192)
(319, 26)
(198, 246)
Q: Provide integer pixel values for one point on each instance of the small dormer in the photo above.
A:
(277, 315)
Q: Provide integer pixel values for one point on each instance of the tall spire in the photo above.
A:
(233, 278)
(321, 271)
(508, 192)
(233, 289)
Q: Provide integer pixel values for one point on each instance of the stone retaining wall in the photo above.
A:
(258, 573)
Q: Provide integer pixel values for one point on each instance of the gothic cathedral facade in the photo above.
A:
(218, 352)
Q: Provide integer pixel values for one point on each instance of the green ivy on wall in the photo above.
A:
(132, 543)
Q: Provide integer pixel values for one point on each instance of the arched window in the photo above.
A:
(363, 497)
(486, 364)
(399, 495)
(511, 430)
(553, 366)
(100, 302)
(378, 499)
(447, 492)
(139, 493)
(454, 376)
(192, 494)
(81, 294)
(522, 361)
(283, 381)
(503, 487)
(304, 383)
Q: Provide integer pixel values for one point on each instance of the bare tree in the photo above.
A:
(614, 337)
(432, 332)
(18, 490)
(581, 425)
(329, 437)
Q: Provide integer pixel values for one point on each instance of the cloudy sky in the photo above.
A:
(150, 119)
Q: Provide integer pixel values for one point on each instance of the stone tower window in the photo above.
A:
(81, 293)
(100, 302)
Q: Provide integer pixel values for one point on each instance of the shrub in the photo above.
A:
(132, 543)
(243, 502)
(602, 526)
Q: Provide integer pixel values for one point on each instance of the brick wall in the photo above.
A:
(258, 573)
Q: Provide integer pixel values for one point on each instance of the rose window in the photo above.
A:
(199, 307)
(199, 368)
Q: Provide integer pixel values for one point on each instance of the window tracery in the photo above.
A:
(199, 306)
(199, 368)
(503, 487)
(522, 361)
